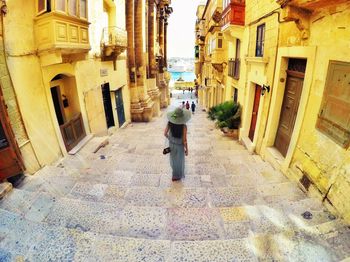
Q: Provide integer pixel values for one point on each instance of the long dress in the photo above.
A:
(177, 156)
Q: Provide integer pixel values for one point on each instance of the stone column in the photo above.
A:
(153, 90)
(165, 48)
(162, 84)
(136, 109)
(145, 99)
(167, 74)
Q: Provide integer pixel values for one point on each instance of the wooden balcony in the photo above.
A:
(311, 5)
(234, 13)
(217, 60)
(113, 43)
(56, 31)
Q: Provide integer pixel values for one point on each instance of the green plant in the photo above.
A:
(227, 114)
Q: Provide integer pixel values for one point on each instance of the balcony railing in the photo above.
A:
(113, 42)
(234, 68)
(234, 13)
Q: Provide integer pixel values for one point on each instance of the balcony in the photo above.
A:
(60, 32)
(311, 5)
(113, 43)
(234, 13)
(217, 60)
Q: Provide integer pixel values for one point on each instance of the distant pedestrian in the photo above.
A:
(183, 91)
(183, 106)
(193, 107)
(187, 105)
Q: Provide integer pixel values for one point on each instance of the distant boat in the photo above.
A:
(180, 79)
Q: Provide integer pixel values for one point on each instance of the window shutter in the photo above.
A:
(41, 6)
(334, 116)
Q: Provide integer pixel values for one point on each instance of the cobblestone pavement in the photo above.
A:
(120, 205)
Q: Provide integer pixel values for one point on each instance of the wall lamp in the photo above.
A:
(265, 88)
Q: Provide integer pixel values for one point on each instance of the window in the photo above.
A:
(260, 39)
(334, 116)
(196, 51)
(73, 10)
(42, 6)
(60, 5)
(83, 8)
(76, 8)
(219, 43)
(235, 95)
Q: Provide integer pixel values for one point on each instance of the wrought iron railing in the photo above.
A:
(114, 36)
(234, 68)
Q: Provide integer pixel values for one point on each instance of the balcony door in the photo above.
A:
(11, 163)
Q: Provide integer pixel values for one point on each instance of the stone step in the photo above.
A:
(24, 240)
(126, 213)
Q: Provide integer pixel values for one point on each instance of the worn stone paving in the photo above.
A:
(121, 205)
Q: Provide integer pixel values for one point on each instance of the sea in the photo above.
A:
(187, 76)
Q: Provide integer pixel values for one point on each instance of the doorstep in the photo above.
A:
(80, 145)
(5, 187)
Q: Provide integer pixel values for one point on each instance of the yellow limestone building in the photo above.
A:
(64, 74)
(293, 86)
(219, 51)
(308, 128)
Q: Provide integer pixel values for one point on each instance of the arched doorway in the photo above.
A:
(65, 100)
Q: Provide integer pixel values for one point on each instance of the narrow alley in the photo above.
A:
(120, 204)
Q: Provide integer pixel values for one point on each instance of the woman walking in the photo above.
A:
(176, 132)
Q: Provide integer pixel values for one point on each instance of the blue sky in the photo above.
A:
(181, 35)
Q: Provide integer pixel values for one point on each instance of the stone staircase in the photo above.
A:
(120, 205)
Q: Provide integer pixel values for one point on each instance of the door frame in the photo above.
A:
(295, 75)
(255, 96)
(115, 105)
(107, 86)
(11, 139)
(284, 53)
(247, 117)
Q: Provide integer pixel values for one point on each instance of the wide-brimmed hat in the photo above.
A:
(179, 116)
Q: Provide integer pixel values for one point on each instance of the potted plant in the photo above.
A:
(228, 117)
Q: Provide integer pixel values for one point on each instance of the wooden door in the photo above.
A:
(289, 111)
(11, 163)
(255, 112)
(120, 106)
(107, 103)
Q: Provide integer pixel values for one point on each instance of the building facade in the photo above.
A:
(147, 23)
(294, 90)
(219, 38)
(66, 74)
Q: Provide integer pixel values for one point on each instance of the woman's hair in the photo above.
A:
(176, 130)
